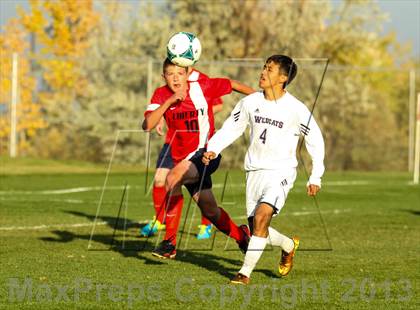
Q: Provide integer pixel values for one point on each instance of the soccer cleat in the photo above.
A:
(240, 279)
(286, 262)
(165, 250)
(151, 228)
(243, 244)
(205, 232)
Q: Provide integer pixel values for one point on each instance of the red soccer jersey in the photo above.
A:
(194, 77)
(190, 122)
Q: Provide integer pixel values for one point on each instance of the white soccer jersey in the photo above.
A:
(275, 127)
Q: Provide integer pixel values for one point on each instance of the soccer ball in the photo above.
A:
(183, 49)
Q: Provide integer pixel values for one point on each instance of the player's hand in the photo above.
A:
(312, 189)
(179, 95)
(160, 126)
(207, 156)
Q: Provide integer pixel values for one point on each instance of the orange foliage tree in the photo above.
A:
(14, 40)
(62, 29)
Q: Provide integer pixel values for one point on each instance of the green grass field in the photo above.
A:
(46, 221)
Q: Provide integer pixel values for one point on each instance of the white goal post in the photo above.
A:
(417, 145)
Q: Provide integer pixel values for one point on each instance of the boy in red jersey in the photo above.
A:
(187, 109)
(163, 166)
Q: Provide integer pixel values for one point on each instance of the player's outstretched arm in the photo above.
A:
(241, 88)
(232, 128)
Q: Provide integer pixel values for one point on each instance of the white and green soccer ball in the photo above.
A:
(183, 49)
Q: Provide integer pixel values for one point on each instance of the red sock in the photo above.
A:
(205, 221)
(159, 194)
(228, 227)
(173, 216)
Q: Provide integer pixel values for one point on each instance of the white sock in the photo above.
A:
(256, 247)
(277, 239)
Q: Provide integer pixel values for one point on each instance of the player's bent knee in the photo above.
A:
(264, 213)
(160, 177)
(262, 220)
(159, 180)
(261, 223)
(172, 180)
(159, 183)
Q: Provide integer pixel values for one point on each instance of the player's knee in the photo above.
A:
(160, 177)
(261, 219)
(169, 185)
(261, 223)
(159, 183)
(172, 180)
(262, 216)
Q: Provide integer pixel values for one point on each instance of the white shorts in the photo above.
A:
(268, 186)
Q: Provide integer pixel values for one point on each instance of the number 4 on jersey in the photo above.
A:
(263, 136)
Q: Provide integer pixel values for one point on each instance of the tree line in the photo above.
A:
(83, 72)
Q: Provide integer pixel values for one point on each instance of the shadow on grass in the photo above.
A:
(140, 248)
(414, 212)
(111, 221)
(131, 247)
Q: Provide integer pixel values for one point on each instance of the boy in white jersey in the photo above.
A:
(276, 120)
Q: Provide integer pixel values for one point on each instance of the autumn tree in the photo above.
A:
(348, 35)
(96, 69)
(14, 39)
(356, 103)
(62, 31)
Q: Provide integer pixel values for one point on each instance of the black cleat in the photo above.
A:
(240, 279)
(165, 249)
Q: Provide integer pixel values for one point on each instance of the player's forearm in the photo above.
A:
(316, 149)
(241, 88)
(153, 118)
(314, 143)
(317, 172)
(217, 143)
(224, 137)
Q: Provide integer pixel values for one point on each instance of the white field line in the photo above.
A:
(77, 225)
(75, 201)
(53, 226)
(60, 191)
(42, 227)
(303, 213)
(328, 183)
(99, 188)
(346, 183)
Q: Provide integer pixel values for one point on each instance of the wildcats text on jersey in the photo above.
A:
(269, 121)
